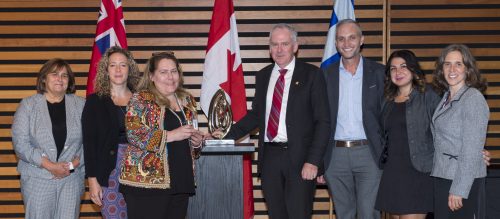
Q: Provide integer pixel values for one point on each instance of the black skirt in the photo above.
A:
(473, 207)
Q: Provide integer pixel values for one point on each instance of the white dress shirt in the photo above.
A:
(281, 136)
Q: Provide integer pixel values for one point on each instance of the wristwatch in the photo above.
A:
(71, 167)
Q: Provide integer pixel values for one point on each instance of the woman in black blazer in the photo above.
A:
(104, 136)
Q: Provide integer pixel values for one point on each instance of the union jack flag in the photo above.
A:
(110, 31)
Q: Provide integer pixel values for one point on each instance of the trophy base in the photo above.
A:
(219, 143)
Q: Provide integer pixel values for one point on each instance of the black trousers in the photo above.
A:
(287, 195)
(473, 207)
(161, 206)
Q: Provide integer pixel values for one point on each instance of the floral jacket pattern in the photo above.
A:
(145, 162)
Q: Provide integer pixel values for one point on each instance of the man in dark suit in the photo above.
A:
(355, 92)
(290, 109)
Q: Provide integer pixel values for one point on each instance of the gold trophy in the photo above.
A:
(220, 117)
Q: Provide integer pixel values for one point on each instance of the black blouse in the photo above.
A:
(179, 157)
(57, 112)
(122, 132)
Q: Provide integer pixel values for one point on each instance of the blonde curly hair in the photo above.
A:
(102, 82)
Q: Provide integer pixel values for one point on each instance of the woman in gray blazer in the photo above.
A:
(47, 139)
(459, 127)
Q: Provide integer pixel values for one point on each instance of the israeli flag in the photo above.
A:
(343, 9)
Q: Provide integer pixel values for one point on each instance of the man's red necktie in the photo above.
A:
(274, 115)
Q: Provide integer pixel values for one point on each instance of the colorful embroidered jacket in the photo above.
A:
(145, 162)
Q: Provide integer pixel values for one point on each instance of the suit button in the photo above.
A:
(111, 152)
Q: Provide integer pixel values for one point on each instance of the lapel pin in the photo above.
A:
(296, 83)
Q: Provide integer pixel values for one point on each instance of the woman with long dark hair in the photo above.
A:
(405, 189)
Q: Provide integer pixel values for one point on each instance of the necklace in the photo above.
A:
(407, 95)
(175, 114)
(180, 108)
(401, 97)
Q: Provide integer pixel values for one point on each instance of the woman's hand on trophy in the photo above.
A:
(181, 133)
(196, 139)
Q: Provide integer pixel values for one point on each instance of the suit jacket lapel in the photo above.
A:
(71, 115)
(45, 126)
(367, 82)
(334, 86)
(440, 110)
(111, 111)
(263, 87)
(297, 81)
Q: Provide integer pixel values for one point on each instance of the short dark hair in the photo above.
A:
(348, 21)
(418, 80)
(472, 75)
(54, 65)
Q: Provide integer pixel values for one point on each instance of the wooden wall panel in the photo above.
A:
(32, 31)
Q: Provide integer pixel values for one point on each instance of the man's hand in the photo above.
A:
(454, 202)
(486, 157)
(309, 171)
(217, 134)
(320, 179)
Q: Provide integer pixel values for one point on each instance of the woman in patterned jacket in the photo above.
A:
(157, 173)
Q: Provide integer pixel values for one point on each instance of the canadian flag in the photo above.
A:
(223, 70)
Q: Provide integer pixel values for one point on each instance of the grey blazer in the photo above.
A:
(32, 135)
(459, 131)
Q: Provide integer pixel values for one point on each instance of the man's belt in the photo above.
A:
(351, 143)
